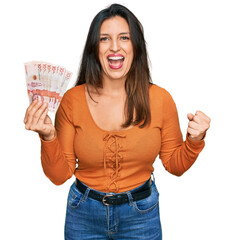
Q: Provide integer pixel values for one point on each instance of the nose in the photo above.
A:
(115, 46)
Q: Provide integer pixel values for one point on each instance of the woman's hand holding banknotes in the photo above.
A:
(36, 119)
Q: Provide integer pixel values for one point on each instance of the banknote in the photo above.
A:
(46, 82)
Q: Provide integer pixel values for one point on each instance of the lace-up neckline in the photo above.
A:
(112, 158)
(113, 152)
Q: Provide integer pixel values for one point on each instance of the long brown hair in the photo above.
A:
(138, 78)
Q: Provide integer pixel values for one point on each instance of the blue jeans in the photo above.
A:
(87, 218)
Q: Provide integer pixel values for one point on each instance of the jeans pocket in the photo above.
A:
(147, 204)
(74, 197)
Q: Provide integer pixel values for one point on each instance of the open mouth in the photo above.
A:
(115, 61)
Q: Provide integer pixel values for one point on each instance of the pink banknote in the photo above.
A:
(47, 82)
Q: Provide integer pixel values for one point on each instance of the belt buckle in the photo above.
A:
(104, 198)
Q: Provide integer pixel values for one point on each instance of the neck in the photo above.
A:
(113, 87)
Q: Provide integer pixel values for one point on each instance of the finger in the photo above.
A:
(198, 119)
(41, 119)
(193, 125)
(31, 113)
(203, 115)
(29, 109)
(193, 133)
(190, 116)
(37, 116)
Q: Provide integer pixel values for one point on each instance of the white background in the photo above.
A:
(190, 44)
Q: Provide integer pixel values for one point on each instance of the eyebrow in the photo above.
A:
(124, 33)
(106, 34)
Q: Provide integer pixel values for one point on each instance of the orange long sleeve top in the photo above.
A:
(115, 161)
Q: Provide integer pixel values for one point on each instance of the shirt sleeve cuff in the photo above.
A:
(198, 145)
(50, 141)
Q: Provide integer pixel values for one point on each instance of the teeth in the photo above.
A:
(115, 58)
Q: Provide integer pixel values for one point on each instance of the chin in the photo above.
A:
(117, 76)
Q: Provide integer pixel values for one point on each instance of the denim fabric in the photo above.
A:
(87, 218)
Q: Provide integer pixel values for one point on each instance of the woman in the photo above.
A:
(115, 122)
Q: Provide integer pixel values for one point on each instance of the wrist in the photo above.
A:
(49, 137)
(196, 139)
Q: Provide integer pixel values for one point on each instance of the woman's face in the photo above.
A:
(115, 48)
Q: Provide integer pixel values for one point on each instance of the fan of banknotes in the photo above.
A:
(46, 82)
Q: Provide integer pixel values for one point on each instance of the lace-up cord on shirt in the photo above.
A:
(112, 157)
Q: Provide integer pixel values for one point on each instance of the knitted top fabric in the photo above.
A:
(115, 161)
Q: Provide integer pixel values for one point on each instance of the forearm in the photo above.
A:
(55, 163)
(184, 156)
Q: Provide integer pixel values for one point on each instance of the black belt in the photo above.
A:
(143, 192)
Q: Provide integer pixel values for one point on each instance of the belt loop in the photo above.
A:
(152, 175)
(85, 196)
(130, 198)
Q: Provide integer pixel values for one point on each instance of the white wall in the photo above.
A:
(191, 48)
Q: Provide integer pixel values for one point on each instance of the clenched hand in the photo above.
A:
(198, 125)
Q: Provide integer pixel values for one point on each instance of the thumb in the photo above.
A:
(190, 116)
